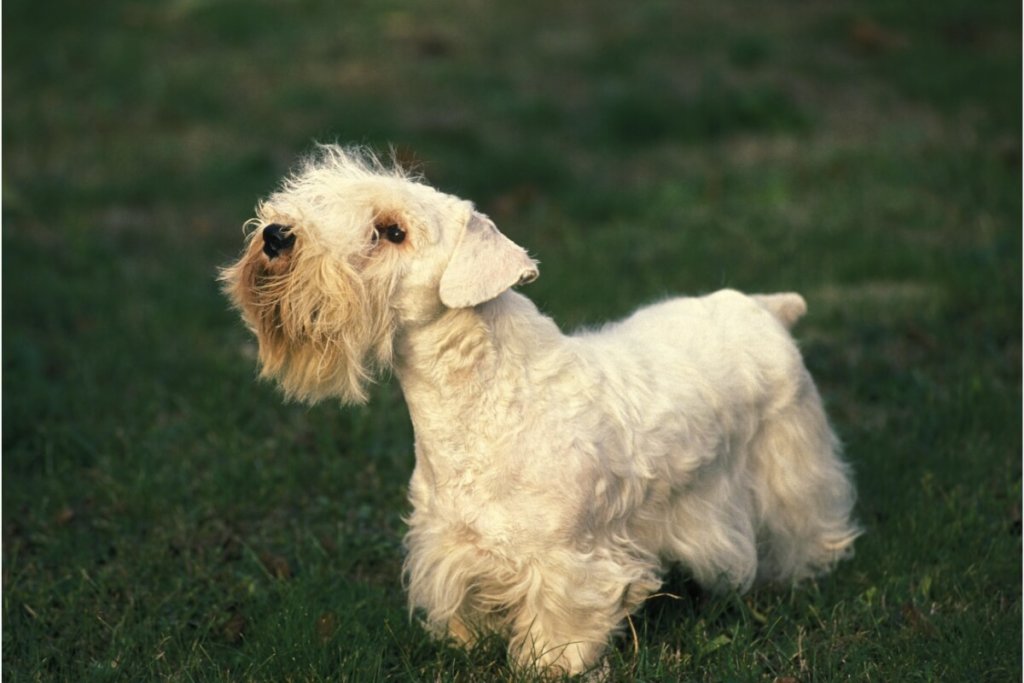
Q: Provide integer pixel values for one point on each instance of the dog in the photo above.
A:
(556, 477)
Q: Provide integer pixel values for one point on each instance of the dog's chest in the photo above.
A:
(495, 510)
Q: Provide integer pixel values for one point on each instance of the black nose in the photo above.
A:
(276, 239)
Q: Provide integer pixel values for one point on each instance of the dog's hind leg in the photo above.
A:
(802, 491)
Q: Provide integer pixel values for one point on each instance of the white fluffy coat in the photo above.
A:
(556, 476)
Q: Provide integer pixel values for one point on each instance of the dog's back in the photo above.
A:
(731, 418)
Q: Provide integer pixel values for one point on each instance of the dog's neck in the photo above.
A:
(461, 371)
(471, 345)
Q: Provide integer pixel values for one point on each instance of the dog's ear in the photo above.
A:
(484, 264)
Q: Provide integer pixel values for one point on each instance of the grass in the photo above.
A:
(165, 516)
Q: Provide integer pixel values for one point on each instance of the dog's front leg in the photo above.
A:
(571, 607)
(471, 622)
(549, 641)
(460, 631)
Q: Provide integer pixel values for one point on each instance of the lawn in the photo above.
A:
(168, 516)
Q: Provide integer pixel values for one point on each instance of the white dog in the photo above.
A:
(556, 476)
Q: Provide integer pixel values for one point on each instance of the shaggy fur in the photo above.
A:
(555, 476)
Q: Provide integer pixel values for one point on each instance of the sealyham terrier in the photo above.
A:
(556, 476)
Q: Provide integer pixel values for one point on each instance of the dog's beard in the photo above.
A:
(322, 331)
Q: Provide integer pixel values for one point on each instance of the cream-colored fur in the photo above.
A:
(556, 476)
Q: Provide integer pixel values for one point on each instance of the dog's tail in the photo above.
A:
(787, 307)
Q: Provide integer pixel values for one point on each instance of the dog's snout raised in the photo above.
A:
(276, 239)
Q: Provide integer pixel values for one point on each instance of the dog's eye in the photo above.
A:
(392, 233)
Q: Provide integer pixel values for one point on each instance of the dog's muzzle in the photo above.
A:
(276, 239)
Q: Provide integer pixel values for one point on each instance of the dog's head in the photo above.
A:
(346, 253)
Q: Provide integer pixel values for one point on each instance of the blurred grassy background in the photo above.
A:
(165, 516)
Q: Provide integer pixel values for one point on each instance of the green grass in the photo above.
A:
(166, 516)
